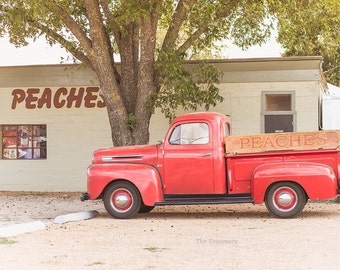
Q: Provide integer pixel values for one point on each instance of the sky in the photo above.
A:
(40, 53)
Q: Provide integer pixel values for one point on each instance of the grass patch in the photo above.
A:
(6, 241)
(155, 249)
(95, 263)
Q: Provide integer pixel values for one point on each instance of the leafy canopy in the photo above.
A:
(185, 30)
(311, 27)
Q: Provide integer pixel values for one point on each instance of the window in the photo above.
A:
(278, 102)
(278, 111)
(24, 141)
(193, 133)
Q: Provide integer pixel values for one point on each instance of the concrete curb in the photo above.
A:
(17, 229)
(75, 216)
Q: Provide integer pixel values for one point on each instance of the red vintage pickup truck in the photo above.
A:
(199, 162)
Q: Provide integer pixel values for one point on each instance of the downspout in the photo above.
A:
(323, 91)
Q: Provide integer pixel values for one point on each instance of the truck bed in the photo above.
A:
(242, 166)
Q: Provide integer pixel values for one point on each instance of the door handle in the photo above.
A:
(206, 155)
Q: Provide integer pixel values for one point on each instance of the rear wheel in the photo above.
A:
(122, 200)
(285, 199)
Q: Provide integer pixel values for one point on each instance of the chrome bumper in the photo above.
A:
(84, 196)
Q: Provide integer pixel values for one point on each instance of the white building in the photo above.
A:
(331, 108)
(52, 118)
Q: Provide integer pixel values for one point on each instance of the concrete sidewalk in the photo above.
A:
(24, 212)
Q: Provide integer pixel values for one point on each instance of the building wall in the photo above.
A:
(72, 135)
(74, 132)
(243, 104)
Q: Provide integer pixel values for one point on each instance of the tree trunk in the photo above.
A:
(118, 114)
(146, 78)
(120, 133)
(126, 95)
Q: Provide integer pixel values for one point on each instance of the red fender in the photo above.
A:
(318, 180)
(145, 177)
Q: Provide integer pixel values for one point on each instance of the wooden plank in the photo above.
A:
(283, 141)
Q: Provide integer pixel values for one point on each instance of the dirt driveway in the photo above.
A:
(190, 237)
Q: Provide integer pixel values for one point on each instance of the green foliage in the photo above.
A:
(151, 39)
(311, 27)
(206, 21)
(184, 88)
(131, 121)
(97, 263)
(6, 241)
(251, 24)
(155, 249)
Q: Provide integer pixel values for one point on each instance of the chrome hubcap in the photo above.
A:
(285, 199)
(121, 200)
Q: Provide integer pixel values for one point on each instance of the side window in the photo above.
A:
(193, 133)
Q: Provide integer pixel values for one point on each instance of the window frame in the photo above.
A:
(264, 112)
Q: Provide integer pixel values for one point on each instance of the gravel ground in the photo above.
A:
(171, 237)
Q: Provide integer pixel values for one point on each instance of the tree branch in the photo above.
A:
(69, 46)
(111, 24)
(190, 41)
(100, 39)
(71, 25)
(225, 11)
(179, 17)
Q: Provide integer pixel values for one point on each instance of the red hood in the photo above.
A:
(127, 154)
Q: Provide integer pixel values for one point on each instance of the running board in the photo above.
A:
(194, 200)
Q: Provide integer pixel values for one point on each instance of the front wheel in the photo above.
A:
(122, 200)
(285, 199)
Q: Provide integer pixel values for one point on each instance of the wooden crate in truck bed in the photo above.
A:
(329, 139)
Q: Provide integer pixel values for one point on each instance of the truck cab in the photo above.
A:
(193, 155)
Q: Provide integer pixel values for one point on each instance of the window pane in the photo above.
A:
(279, 102)
(39, 130)
(25, 153)
(175, 137)
(9, 131)
(195, 133)
(40, 153)
(25, 136)
(9, 142)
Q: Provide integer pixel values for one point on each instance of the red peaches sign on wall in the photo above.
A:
(38, 98)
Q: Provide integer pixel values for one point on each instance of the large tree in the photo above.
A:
(150, 39)
(311, 27)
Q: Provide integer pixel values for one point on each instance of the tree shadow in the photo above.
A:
(204, 212)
